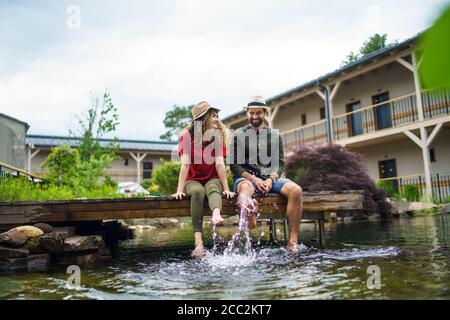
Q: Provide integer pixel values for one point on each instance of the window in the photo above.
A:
(322, 113)
(147, 170)
(126, 162)
(432, 155)
(303, 119)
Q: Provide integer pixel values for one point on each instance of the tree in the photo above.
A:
(175, 121)
(374, 43)
(332, 167)
(84, 166)
(435, 68)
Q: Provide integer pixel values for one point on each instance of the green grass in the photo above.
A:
(21, 189)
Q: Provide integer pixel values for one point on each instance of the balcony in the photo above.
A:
(382, 116)
(391, 114)
(314, 133)
(440, 184)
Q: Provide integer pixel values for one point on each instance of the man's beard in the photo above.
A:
(256, 123)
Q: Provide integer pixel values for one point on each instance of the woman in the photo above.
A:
(202, 150)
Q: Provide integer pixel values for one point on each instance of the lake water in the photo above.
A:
(412, 255)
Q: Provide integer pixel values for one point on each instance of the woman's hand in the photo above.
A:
(178, 195)
(229, 194)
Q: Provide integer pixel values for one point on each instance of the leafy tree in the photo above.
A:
(374, 43)
(82, 168)
(63, 165)
(435, 69)
(100, 119)
(332, 167)
(175, 121)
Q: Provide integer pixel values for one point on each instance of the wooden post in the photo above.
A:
(322, 240)
(286, 230)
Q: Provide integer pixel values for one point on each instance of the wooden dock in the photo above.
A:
(316, 206)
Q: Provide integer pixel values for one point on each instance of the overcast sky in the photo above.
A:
(154, 54)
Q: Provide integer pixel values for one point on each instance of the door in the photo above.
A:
(354, 119)
(388, 169)
(383, 115)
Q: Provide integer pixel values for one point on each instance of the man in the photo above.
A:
(257, 163)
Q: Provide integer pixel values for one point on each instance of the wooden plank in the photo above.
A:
(137, 208)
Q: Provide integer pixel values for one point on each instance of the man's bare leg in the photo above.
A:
(245, 191)
(199, 250)
(294, 211)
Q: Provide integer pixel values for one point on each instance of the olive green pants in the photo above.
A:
(212, 189)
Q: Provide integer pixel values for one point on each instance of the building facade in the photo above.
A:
(378, 108)
(137, 158)
(12, 141)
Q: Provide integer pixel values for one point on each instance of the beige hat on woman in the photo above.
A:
(257, 102)
(200, 109)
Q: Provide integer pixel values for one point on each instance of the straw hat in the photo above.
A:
(257, 102)
(200, 109)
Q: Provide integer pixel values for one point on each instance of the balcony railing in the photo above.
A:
(314, 133)
(391, 114)
(385, 115)
(440, 184)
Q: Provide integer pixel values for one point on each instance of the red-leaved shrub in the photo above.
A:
(331, 167)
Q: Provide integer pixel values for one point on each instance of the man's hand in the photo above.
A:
(269, 184)
(260, 184)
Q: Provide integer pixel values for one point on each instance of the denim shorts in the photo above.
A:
(276, 188)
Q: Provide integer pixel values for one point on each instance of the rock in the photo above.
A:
(78, 259)
(231, 220)
(82, 243)
(32, 244)
(6, 253)
(64, 232)
(19, 235)
(159, 222)
(446, 208)
(418, 206)
(51, 243)
(38, 262)
(46, 228)
(399, 207)
(14, 265)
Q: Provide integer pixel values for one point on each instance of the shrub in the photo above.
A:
(166, 177)
(410, 192)
(332, 167)
(146, 183)
(388, 187)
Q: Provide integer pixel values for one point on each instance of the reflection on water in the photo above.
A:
(413, 255)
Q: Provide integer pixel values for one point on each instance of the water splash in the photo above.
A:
(247, 208)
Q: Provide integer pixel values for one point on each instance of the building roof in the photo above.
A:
(15, 120)
(376, 54)
(144, 145)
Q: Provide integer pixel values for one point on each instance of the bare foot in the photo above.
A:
(199, 251)
(292, 247)
(217, 218)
